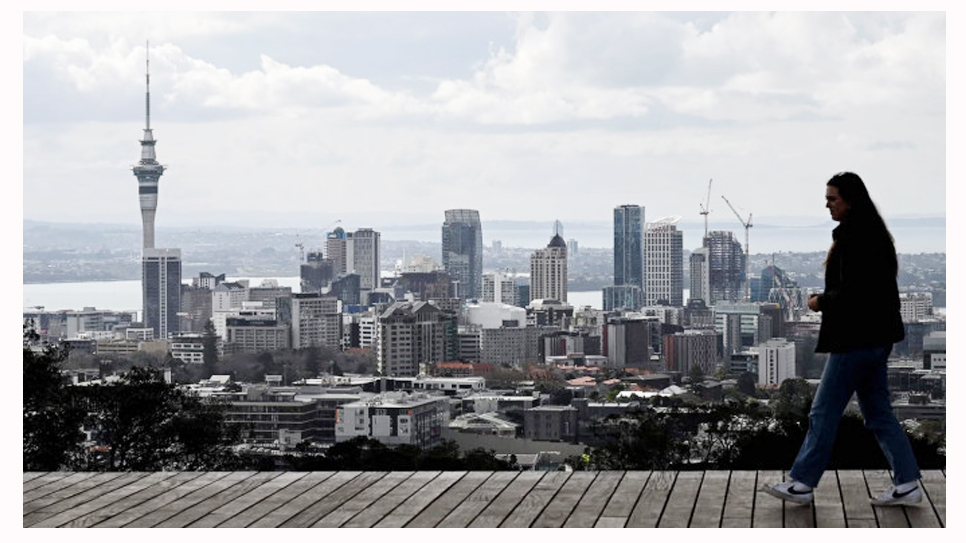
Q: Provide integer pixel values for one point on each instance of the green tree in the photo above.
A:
(143, 423)
(52, 436)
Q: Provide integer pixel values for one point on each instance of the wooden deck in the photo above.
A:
(606, 499)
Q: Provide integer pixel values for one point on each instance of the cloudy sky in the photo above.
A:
(376, 119)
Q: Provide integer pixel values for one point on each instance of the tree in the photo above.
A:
(142, 423)
(52, 436)
(746, 384)
(209, 342)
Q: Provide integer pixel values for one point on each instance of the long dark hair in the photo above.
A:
(863, 217)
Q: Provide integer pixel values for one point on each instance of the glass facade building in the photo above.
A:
(628, 246)
(463, 252)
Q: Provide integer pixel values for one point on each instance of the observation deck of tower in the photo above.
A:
(148, 171)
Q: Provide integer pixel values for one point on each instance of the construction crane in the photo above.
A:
(301, 247)
(747, 226)
(705, 209)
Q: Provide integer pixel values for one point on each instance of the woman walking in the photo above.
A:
(860, 322)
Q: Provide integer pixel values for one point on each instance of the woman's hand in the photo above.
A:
(813, 302)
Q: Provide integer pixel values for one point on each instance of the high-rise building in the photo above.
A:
(700, 277)
(692, 348)
(315, 273)
(499, 287)
(776, 361)
(335, 250)
(664, 263)
(628, 246)
(409, 337)
(463, 251)
(365, 258)
(161, 290)
(627, 297)
(316, 321)
(548, 271)
(726, 267)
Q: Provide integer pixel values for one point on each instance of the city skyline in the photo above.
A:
(512, 113)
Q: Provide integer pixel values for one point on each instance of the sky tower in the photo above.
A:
(148, 171)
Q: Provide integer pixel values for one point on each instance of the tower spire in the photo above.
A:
(147, 87)
(148, 171)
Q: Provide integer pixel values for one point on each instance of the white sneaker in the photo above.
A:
(893, 496)
(787, 491)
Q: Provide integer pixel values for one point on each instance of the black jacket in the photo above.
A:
(860, 305)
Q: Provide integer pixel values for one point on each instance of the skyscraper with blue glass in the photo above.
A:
(629, 246)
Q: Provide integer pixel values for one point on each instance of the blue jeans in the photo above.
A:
(862, 371)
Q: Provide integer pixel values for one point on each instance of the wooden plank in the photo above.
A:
(621, 503)
(768, 509)
(739, 505)
(876, 481)
(536, 500)
(855, 499)
(798, 515)
(370, 492)
(63, 499)
(30, 475)
(680, 504)
(169, 495)
(276, 500)
(56, 484)
(192, 514)
(239, 505)
(310, 505)
(41, 512)
(507, 501)
(143, 493)
(43, 479)
(80, 515)
(934, 483)
(172, 508)
(449, 500)
(709, 506)
(393, 499)
(415, 503)
(829, 512)
(592, 503)
(555, 514)
(650, 505)
(464, 513)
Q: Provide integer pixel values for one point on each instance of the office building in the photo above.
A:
(915, 306)
(394, 418)
(410, 336)
(629, 246)
(700, 276)
(316, 321)
(726, 268)
(462, 237)
(623, 297)
(499, 287)
(664, 263)
(336, 250)
(364, 244)
(316, 273)
(161, 290)
(548, 271)
(693, 348)
(776, 361)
